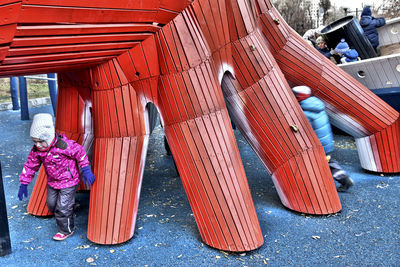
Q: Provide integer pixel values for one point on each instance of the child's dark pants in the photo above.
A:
(61, 203)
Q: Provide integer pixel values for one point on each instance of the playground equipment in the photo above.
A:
(113, 58)
(5, 242)
(20, 84)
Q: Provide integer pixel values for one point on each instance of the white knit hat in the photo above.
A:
(302, 90)
(43, 128)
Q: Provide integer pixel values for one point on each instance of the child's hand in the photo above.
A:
(88, 176)
(23, 191)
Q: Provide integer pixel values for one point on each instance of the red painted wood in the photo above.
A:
(117, 56)
(54, 30)
(348, 97)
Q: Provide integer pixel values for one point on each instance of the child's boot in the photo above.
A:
(345, 184)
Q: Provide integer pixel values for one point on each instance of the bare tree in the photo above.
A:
(296, 13)
(325, 5)
(389, 9)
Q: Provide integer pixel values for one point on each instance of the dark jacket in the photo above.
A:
(325, 51)
(314, 109)
(369, 25)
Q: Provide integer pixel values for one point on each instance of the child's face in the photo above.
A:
(40, 144)
(321, 45)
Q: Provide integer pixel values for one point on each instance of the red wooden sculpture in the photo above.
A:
(188, 58)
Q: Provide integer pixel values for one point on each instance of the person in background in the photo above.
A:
(323, 49)
(369, 25)
(314, 109)
(346, 54)
(60, 158)
(311, 35)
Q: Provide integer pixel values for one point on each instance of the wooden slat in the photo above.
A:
(64, 56)
(31, 14)
(20, 67)
(82, 29)
(80, 39)
(81, 48)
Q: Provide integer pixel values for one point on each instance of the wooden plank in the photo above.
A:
(193, 185)
(218, 221)
(60, 63)
(64, 56)
(116, 4)
(43, 50)
(7, 33)
(80, 39)
(10, 13)
(31, 14)
(112, 191)
(220, 184)
(84, 29)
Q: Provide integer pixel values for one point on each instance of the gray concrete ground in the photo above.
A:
(365, 233)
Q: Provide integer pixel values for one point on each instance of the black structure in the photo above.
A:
(5, 243)
(349, 29)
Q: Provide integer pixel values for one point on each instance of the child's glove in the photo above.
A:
(23, 191)
(88, 176)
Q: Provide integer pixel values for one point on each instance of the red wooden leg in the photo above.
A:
(201, 139)
(351, 106)
(120, 146)
(263, 107)
(212, 173)
(265, 116)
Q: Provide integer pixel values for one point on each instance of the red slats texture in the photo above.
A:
(121, 138)
(81, 29)
(176, 54)
(366, 111)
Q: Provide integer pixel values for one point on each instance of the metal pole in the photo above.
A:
(5, 243)
(14, 92)
(53, 89)
(23, 98)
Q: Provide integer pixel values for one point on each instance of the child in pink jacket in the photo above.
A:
(60, 158)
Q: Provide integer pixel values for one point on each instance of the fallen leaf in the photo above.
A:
(179, 256)
(82, 247)
(112, 251)
(89, 260)
(218, 257)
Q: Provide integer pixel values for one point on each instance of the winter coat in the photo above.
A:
(325, 51)
(314, 109)
(369, 25)
(60, 162)
(350, 55)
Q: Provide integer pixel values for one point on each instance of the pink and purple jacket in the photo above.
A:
(60, 162)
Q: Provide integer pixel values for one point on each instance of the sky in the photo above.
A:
(353, 4)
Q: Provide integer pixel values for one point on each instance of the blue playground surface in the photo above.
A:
(366, 232)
